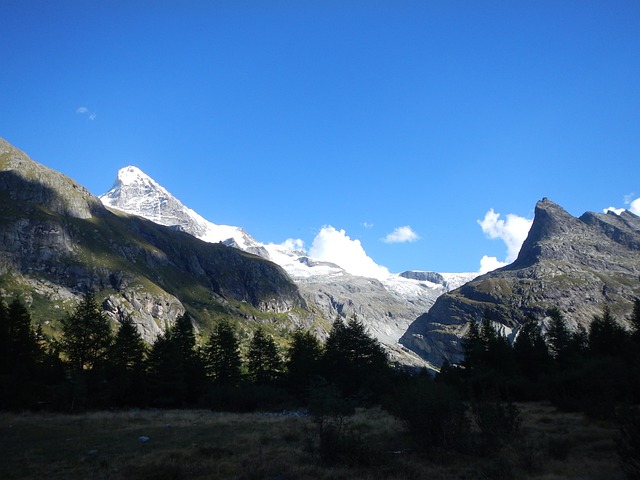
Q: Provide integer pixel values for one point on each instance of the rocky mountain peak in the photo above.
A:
(574, 264)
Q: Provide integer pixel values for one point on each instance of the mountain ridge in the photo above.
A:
(57, 240)
(573, 264)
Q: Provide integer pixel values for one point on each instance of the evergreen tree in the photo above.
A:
(532, 356)
(303, 359)
(497, 351)
(263, 359)
(86, 335)
(126, 365)
(4, 338)
(176, 368)
(558, 336)
(167, 373)
(128, 350)
(606, 336)
(635, 320)
(354, 360)
(472, 347)
(23, 351)
(223, 355)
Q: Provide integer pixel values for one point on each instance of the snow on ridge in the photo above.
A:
(136, 193)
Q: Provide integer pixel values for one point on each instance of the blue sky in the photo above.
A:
(286, 117)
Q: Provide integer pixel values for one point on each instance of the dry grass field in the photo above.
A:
(199, 444)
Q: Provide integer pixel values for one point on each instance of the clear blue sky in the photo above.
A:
(286, 116)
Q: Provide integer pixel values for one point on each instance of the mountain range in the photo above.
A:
(387, 305)
(152, 258)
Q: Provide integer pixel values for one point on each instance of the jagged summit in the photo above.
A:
(574, 264)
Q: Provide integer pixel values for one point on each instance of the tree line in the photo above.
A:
(592, 370)
(91, 366)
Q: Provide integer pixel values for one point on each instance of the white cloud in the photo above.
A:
(513, 231)
(615, 210)
(293, 244)
(85, 111)
(634, 206)
(331, 245)
(401, 235)
(367, 224)
(487, 264)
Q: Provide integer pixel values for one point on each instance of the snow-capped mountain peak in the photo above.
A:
(136, 193)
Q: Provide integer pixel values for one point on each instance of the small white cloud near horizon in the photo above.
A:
(331, 245)
(488, 264)
(513, 231)
(615, 210)
(367, 224)
(401, 235)
(634, 206)
(85, 111)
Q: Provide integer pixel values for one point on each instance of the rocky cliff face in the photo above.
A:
(574, 264)
(56, 240)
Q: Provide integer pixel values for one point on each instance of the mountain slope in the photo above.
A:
(574, 264)
(56, 240)
(387, 305)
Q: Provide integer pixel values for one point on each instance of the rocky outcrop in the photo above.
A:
(574, 264)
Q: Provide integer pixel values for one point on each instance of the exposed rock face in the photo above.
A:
(387, 314)
(57, 240)
(573, 264)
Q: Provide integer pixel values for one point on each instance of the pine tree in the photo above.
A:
(354, 360)
(126, 365)
(635, 320)
(223, 355)
(86, 335)
(263, 359)
(558, 336)
(4, 338)
(531, 352)
(23, 350)
(606, 336)
(167, 373)
(128, 350)
(472, 347)
(303, 359)
(176, 368)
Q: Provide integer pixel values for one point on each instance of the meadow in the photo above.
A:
(201, 444)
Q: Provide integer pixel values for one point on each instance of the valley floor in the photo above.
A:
(199, 444)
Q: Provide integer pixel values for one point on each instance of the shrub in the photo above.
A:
(497, 421)
(433, 413)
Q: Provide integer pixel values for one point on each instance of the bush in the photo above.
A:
(498, 422)
(433, 413)
(337, 442)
